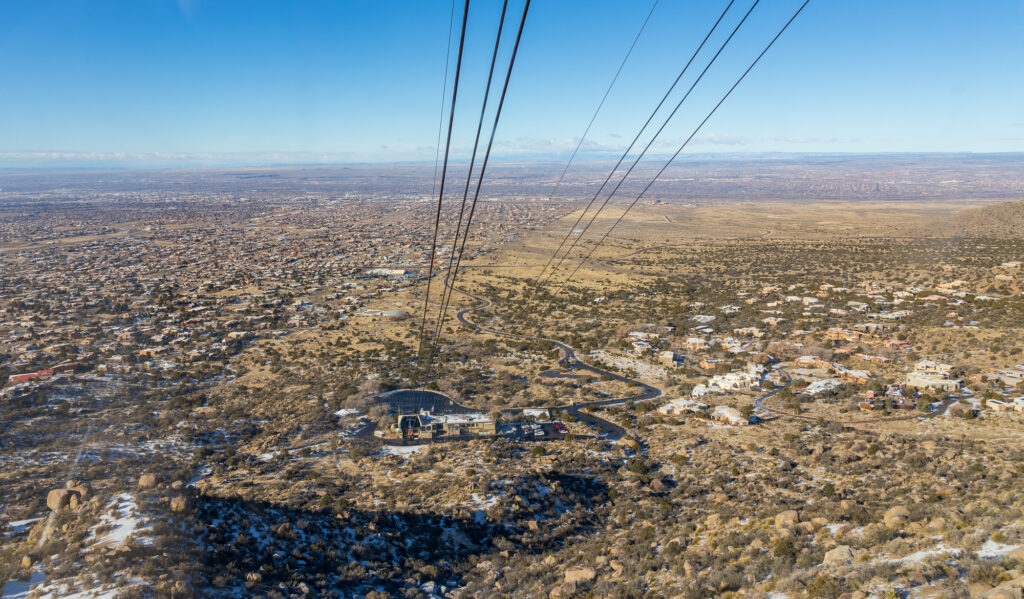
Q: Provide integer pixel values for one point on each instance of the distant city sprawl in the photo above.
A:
(214, 385)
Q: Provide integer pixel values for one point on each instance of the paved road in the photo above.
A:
(759, 405)
(604, 428)
(569, 356)
(414, 400)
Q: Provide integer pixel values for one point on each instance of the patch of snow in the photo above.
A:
(84, 594)
(124, 525)
(401, 450)
(201, 473)
(920, 556)
(70, 589)
(16, 589)
(484, 503)
(992, 550)
(20, 526)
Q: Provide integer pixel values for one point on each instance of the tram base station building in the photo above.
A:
(435, 426)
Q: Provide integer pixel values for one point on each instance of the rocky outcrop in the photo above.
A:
(838, 556)
(629, 444)
(147, 481)
(580, 574)
(83, 489)
(1011, 589)
(787, 518)
(896, 516)
(59, 499)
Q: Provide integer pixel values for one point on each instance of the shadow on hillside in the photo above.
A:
(252, 547)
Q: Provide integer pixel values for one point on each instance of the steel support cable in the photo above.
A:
(643, 153)
(538, 284)
(586, 131)
(483, 168)
(688, 139)
(444, 172)
(444, 95)
(445, 291)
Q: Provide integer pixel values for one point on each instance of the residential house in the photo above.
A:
(729, 415)
(682, 406)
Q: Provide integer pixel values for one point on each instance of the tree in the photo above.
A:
(785, 549)
(924, 403)
(747, 411)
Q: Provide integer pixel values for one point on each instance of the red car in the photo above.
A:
(561, 428)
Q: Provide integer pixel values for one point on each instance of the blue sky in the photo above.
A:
(204, 82)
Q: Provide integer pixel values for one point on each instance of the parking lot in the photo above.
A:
(534, 431)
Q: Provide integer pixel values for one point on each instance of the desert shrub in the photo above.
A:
(984, 574)
(638, 467)
(785, 549)
(825, 587)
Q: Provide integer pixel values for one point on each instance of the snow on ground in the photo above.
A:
(58, 591)
(346, 412)
(19, 590)
(643, 369)
(95, 452)
(482, 503)
(404, 451)
(124, 525)
(920, 556)
(79, 589)
(201, 473)
(20, 526)
(992, 550)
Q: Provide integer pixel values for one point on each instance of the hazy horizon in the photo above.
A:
(58, 162)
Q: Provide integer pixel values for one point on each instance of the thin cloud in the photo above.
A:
(807, 140)
(722, 139)
(65, 159)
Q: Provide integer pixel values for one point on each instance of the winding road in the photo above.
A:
(759, 405)
(609, 430)
(569, 357)
(647, 391)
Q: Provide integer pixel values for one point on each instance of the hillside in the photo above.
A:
(999, 220)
